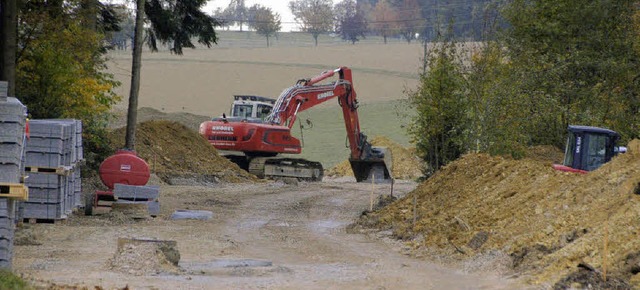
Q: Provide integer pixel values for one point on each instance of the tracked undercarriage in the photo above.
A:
(276, 168)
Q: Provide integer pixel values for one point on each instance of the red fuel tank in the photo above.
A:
(124, 167)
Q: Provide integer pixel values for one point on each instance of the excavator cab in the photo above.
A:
(588, 148)
(248, 107)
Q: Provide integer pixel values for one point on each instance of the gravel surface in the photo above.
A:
(262, 235)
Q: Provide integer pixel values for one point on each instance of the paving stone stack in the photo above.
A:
(53, 157)
(138, 194)
(12, 141)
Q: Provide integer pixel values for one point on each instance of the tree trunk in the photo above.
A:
(8, 42)
(385, 38)
(132, 114)
(267, 40)
(315, 38)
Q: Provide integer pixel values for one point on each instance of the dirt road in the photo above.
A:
(261, 236)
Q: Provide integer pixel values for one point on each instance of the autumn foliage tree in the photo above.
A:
(384, 20)
(351, 22)
(265, 21)
(314, 16)
(60, 72)
(409, 19)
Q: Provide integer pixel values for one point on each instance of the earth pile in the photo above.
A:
(171, 149)
(548, 222)
(141, 259)
(406, 164)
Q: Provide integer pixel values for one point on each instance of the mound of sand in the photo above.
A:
(406, 164)
(547, 221)
(545, 153)
(171, 149)
(141, 259)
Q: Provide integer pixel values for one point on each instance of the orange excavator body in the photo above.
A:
(260, 140)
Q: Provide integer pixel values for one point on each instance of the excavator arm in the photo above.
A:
(366, 161)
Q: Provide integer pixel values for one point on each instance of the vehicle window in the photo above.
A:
(242, 111)
(568, 152)
(597, 151)
(263, 111)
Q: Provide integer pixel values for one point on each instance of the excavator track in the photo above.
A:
(274, 168)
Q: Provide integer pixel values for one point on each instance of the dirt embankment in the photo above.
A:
(177, 154)
(544, 223)
(406, 164)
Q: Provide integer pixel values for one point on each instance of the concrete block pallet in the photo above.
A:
(12, 126)
(41, 211)
(13, 117)
(52, 161)
(138, 194)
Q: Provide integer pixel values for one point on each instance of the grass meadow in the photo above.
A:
(203, 81)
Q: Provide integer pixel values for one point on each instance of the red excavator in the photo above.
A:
(261, 140)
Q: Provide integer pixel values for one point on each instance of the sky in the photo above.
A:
(279, 6)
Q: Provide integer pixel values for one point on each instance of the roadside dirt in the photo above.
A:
(262, 236)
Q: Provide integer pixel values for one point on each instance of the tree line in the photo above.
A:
(354, 20)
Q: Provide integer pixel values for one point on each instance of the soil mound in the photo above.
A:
(547, 221)
(173, 150)
(546, 153)
(406, 164)
(141, 259)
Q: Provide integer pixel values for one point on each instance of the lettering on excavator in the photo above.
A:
(325, 95)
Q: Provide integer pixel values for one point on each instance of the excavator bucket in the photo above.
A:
(375, 168)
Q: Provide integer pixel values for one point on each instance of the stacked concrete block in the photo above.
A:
(12, 139)
(76, 138)
(138, 194)
(7, 232)
(13, 117)
(47, 196)
(54, 133)
(77, 189)
(52, 162)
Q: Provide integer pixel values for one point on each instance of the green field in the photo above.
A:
(326, 140)
(203, 81)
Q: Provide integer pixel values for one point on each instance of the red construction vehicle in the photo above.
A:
(589, 148)
(261, 141)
